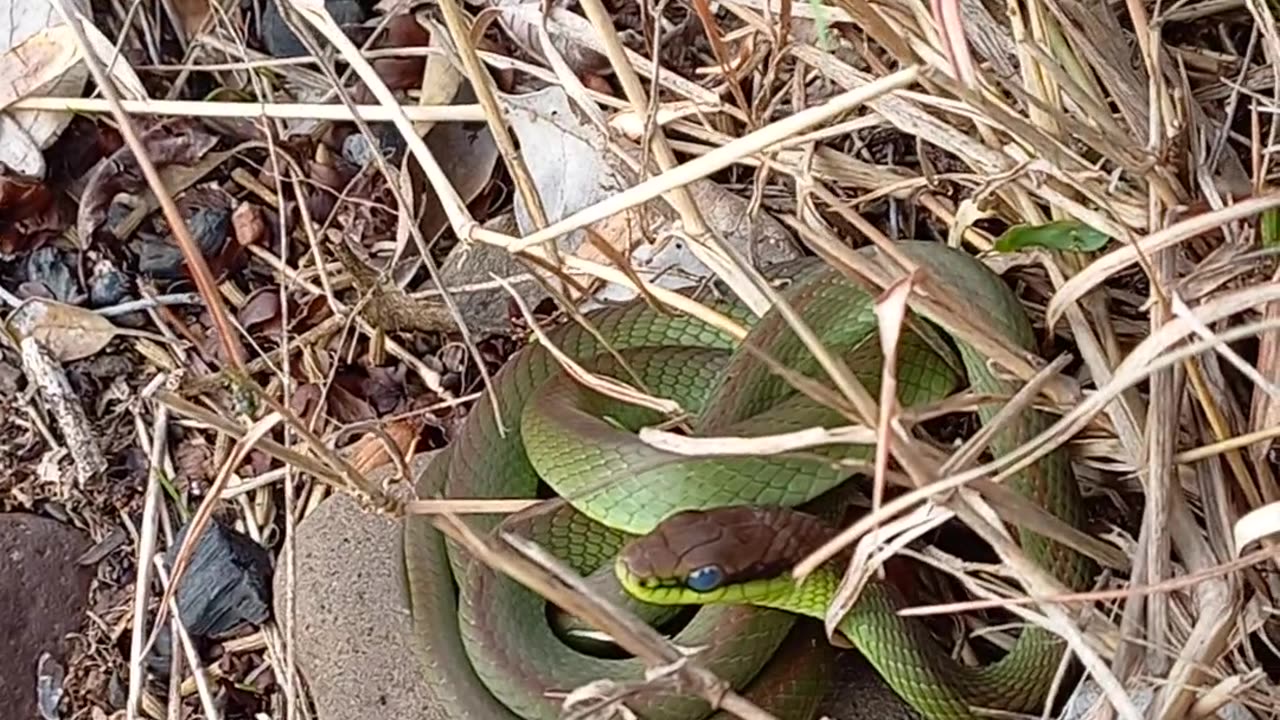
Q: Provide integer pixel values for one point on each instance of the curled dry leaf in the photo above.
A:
(66, 332)
(180, 142)
(262, 308)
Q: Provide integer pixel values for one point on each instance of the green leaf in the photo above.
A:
(1270, 228)
(1061, 235)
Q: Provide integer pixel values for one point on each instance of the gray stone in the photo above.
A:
(44, 595)
(354, 632)
(485, 310)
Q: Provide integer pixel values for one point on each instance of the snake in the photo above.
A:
(656, 529)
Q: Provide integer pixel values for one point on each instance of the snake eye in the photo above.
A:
(705, 578)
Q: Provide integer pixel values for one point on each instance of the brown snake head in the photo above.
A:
(706, 549)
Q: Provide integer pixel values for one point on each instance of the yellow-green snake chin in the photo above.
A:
(487, 650)
(809, 598)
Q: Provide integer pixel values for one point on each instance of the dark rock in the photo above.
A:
(279, 39)
(226, 586)
(44, 596)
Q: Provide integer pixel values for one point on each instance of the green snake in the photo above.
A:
(720, 532)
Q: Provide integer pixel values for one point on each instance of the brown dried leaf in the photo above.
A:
(66, 332)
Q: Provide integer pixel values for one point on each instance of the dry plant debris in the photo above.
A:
(259, 263)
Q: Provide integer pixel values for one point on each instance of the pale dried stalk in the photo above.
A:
(277, 111)
(203, 690)
(1162, 438)
(146, 549)
(1218, 602)
(498, 127)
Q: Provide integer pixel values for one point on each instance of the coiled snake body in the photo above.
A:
(488, 651)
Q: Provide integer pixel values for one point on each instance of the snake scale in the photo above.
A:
(719, 532)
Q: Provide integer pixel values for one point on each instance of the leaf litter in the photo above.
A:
(1144, 263)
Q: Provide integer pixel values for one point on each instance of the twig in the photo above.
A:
(146, 549)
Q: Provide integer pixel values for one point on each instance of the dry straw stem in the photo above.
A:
(146, 549)
(713, 161)
(180, 634)
(481, 83)
(276, 111)
(528, 564)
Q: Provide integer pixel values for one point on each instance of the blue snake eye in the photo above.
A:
(705, 578)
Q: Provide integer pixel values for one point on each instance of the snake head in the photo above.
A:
(717, 555)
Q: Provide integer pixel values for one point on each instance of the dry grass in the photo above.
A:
(1059, 112)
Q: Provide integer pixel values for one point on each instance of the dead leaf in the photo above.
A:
(67, 332)
(261, 307)
(467, 156)
(179, 142)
